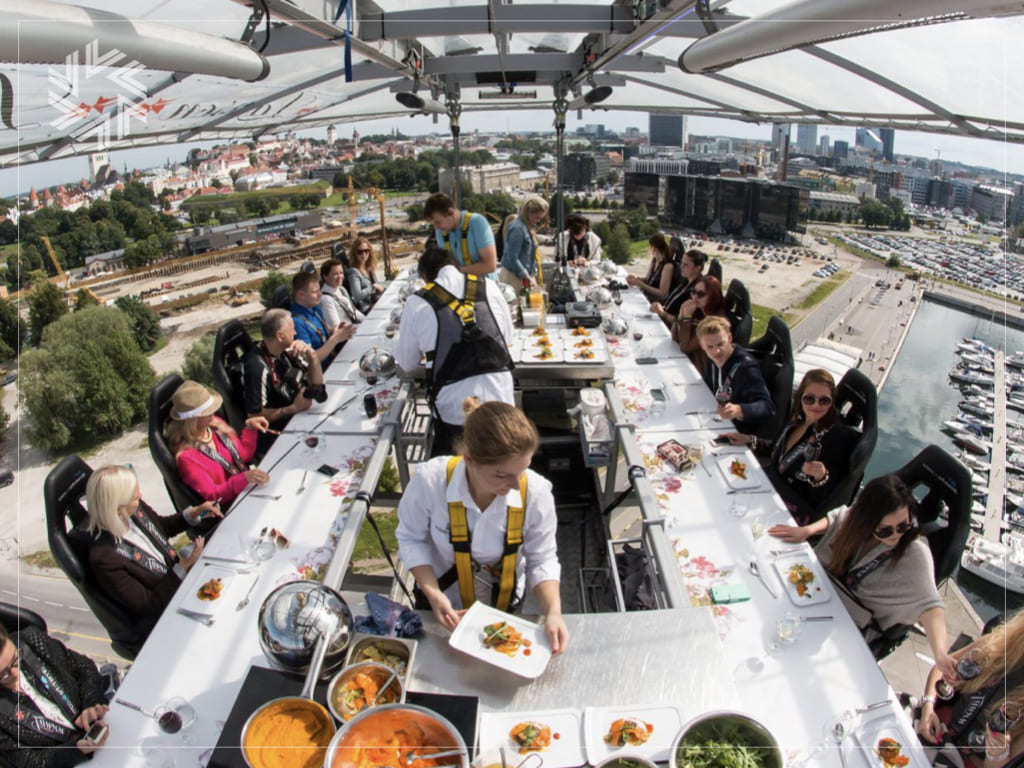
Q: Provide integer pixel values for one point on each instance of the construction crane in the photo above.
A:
(61, 274)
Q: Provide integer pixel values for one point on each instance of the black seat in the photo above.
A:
(857, 403)
(63, 491)
(942, 485)
(182, 496)
(737, 309)
(15, 618)
(774, 351)
(229, 350)
(281, 298)
(715, 270)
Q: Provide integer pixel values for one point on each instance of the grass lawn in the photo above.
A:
(368, 547)
(822, 290)
(761, 316)
(230, 200)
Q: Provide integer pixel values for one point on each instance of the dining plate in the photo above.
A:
(528, 662)
(575, 352)
(815, 591)
(597, 722)
(566, 750)
(534, 354)
(868, 735)
(732, 479)
(231, 581)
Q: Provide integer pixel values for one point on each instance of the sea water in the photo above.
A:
(918, 397)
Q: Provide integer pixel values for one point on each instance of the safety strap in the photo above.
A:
(466, 261)
(460, 540)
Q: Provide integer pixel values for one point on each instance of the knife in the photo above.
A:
(200, 617)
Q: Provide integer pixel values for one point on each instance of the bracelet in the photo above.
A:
(687, 318)
(819, 483)
(927, 700)
(753, 442)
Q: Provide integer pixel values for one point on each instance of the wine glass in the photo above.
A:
(176, 715)
(736, 509)
(722, 396)
(389, 331)
(971, 664)
(637, 334)
(787, 630)
(312, 442)
(257, 547)
(617, 297)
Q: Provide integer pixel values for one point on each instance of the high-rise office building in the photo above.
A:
(807, 139)
(867, 138)
(780, 133)
(841, 148)
(887, 135)
(824, 145)
(666, 130)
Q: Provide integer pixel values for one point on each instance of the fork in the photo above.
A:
(302, 485)
(265, 496)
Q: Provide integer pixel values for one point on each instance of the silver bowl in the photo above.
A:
(291, 619)
(722, 725)
(623, 759)
(601, 296)
(614, 326)
(380, 673)
(371, 725)
(591, 275)
(377, 362)
(608, 267)
(508, 293)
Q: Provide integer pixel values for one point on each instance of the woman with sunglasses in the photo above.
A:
(979, 714)
(883, 571)
(360, 276)
(705, 300)
(50, 696)
(690, 269)
(808, 455)
(661, 275)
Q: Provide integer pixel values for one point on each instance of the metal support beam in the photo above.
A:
(454, 112)
(529, 62)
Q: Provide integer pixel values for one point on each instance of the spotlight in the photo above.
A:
(591, 97)
(417, 103)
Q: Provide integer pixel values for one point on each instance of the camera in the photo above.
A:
(316, 392)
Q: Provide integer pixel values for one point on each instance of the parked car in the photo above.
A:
(6, 478)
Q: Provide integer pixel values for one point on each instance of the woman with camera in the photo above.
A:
(807, 457)
(212, 458)
(883, 572)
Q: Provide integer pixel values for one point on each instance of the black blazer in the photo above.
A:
(141, 591)
(804, 499)
(77, 676)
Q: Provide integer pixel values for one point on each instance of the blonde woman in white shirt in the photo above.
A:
(485, 485)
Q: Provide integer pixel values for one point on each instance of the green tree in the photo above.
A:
(84, 300)
(414, 211)
(12, 329)
(603, 230)
(21, 265)
(875, 213)
(198, 365)
(87, 381)
(5, 420)
(142, 320)
(617, 246)
(45, 305)
(893, 261)
(269, 285)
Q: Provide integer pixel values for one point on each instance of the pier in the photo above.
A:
(995, 501)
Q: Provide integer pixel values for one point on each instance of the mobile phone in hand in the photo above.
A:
(96, 733)
(722, 440)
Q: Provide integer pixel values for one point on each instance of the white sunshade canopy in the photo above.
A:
(119, 74)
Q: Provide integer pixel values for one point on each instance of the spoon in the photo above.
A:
(411, 755)
(380, 691)
(169, 721)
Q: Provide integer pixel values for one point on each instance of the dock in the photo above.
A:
(995, 501)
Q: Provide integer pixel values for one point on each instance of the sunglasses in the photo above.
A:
(698, 294)
(363, 250)
(8, 674)
(824, 400)
(885, 531)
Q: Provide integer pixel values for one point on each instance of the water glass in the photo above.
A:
(257, 547)
(736, 509)
(787, 628)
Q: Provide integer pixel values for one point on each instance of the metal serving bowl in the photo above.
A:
(615, 325)
(387, 724)
(380, 674)
(608, 267)
(377, 362)
(591, 275)
(722, 725)
(291, 619)
(508, 293)
(620, 760)
(601, 296)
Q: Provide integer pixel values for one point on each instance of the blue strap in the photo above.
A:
(344, 7)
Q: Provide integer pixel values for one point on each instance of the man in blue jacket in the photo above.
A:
(733, 376)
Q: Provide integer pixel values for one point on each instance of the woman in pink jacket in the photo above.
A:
(212, 458)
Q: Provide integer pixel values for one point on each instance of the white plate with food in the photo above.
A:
(739, 473)
(578, 334)
(554, 734)
(641, 731)
(538, 354)
(803, 578)
(586, 351)
(501, 639)
(884, 744)
(219, 583)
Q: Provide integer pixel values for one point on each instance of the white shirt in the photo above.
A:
(417, 334)
(423, 526)
(330, 305)
(137, 537)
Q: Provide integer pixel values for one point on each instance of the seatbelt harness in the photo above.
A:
(460, 541)
(466, 261)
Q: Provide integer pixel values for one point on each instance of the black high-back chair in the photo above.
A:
(182, 496)
(63, 491)
(774, 351)
(15, 618)
(715, 270)
(737, 309)
(229, 350)
(281, 298)
(857, 403)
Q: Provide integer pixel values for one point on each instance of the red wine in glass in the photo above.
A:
(312, 441)
(170, 722)
(637, 335)
(723, 394)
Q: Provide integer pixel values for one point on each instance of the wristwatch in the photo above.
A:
(927, 700)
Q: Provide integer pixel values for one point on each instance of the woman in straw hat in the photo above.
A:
(212, 458)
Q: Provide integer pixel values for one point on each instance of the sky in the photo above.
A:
(1001, 157)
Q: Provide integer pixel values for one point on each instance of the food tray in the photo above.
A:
(819, 591)
(566, 751)
(399, 646)
(468, 633)
(867, 736)
(236, 583)
(666, 720)
(734, 481)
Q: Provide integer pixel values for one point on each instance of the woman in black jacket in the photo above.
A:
(49, 698)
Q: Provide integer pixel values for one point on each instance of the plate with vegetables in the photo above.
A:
(739, 473)
(644, 731)
(554, 734)
(884, 744)
(501, 639)
(803, 578)
(218, 584)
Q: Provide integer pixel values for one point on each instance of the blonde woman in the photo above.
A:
(484, 484)
(360, 276)
(212, 459)
(130, 554)
(519, 257)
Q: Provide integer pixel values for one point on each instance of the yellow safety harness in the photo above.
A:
(466, 261)
(463, 308)
(459, 538)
